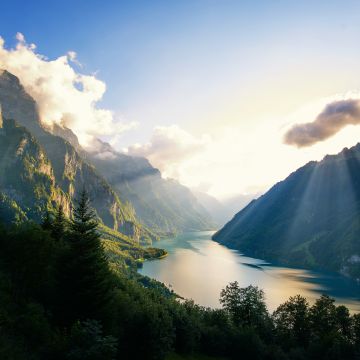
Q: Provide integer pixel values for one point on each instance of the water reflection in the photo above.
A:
(199, 268)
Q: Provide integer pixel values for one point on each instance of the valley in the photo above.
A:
(179, 180)
(198, 268)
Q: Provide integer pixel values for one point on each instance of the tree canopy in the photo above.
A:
(60, 300)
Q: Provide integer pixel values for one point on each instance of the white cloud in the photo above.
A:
(20, 37)
(169, 148)
(239, 160)
(72, 55)
(230, 161)
(64, 96)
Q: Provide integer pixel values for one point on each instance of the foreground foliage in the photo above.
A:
(60, 299)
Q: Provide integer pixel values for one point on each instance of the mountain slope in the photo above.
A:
(128, 194)
(312, 218)
(68, 171)
(27, 182)
(222, 211)
(161, 204)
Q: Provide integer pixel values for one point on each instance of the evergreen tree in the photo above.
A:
(59, 224)
(47, 221)
(87, 275)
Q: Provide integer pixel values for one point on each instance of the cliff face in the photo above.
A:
(26, 175)
(56, 167)
(312, 218)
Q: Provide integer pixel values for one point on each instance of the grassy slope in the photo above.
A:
(125, 256)
(124, 252)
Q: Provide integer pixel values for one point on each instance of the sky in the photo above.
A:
(214, 92)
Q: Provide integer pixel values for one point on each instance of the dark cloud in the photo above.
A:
(331, 120)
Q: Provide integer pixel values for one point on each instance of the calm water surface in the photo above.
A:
(198, 268)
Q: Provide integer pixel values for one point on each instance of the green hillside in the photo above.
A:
(311, 219)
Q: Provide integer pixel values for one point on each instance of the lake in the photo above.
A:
(198, 268)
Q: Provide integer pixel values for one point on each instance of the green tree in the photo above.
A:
(88, 280)
(59, 224)
(343, 321)
(356, 330)
(87, 342)
(329, 328)
(246, 306)
(47, 221)
(28, 254)
(291, 321)
(323, 316)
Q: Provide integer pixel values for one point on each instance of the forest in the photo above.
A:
(60, 299)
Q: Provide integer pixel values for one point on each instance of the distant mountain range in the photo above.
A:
(223, 210)
(42, 167)
(163, 205)
(310, 219)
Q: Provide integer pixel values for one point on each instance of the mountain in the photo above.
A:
(161, 204)
(310, 219)
(39, 170)
(215, 207)
(26, 175)
(222, 211)
(129, 195)
(235, 203)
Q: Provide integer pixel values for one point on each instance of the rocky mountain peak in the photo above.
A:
(9, 78)
(16, 103)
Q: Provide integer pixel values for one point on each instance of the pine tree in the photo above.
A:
(47, 222)
(59, 224)
(88, 278)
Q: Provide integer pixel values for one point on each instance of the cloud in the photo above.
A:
(63, 95)
(20, 37)
(331, 120)
(169, 147)
(72, 55)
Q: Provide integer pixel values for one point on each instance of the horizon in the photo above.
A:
(200, 101)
